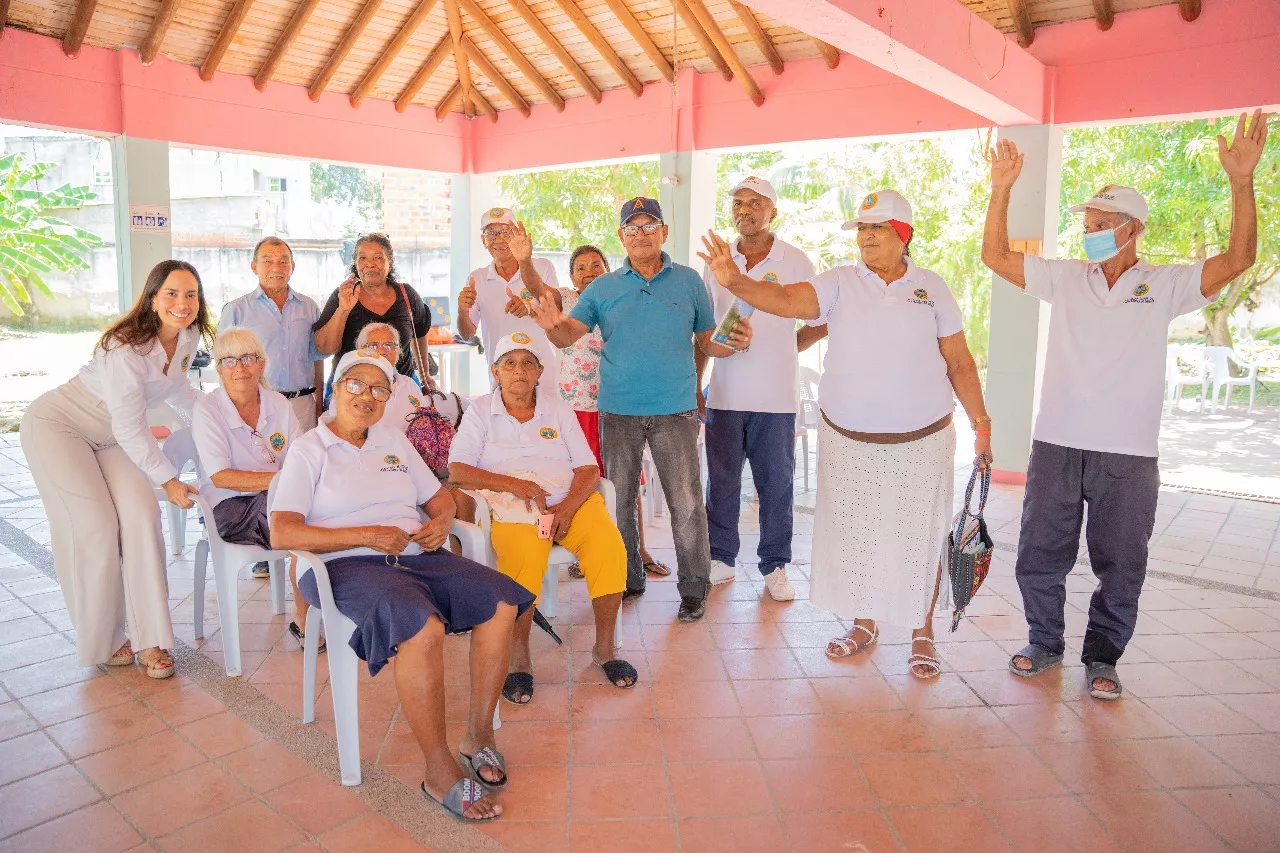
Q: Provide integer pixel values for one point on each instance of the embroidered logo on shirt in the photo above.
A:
(548, 433)
(277, 441)
(521, 338)
(870, 201)
(526, 294)
(414, 401)
(186, 362)
(921, 297)
(391, 459)
(770, 276)
(921, 293)
(1140, 295)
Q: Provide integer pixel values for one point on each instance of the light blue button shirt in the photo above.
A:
(285, 334)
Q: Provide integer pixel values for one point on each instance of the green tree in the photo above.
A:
(1175, 165)
(348, 185)
(32, 242)
(566, 208)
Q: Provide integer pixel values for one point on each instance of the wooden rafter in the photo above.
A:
(1104, 14)
(553, 44)
(4, 16)
(513, 53)
(603, 48)
(392, 50)
(79, 27)
(159, 27)
(442, 49)
(703, 37)
(230, 27)
(460, 57)
(830, 55)
(1022, 22)
(758, 35)
(641, 37)
(282, 45)
(485, 67)
(482, 104)
(339, 55)
(450, 100)
(721, 43)
(1190, 9)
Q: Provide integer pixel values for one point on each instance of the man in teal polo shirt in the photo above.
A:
(650, 311)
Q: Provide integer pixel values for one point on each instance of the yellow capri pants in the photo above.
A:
(593, 538)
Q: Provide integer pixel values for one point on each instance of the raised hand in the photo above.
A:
(515, 305)
(1006, 164)
(520, 243)
(1240, 157)
(719, 257)
(348, 293)
(546, 313)
(467, 296)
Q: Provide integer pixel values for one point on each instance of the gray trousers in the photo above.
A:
(1121, 492)
(673, 440)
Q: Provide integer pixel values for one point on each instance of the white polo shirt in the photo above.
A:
(883, 371)
(489, 313)
(551, 444)
(129, 382)
(333, 483)
(766, 378)
(225, 442)
(1103, 384)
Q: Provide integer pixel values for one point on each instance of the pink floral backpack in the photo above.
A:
(431, 432)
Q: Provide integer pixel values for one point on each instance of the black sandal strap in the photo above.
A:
(620, 670)
(517, 685)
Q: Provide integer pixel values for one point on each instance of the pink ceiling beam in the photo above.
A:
(939, 45)
(39, 85)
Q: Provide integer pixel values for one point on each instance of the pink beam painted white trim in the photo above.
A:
(939, 45)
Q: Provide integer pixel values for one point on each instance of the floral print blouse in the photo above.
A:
(580, 363)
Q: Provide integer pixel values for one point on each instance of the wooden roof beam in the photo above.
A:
(1103, 14)
(758, 35)
(339, 55)
(4, 16)
(450, 99)
(486, 68)
(602, 47)
(483, 105)
(392, 50)
(282, 45)
(721, 42)
(230, 27)
(79, 26)
(460, 57)
(1022, 22)
(553, 44)
(642, 38)
(159, 27)
(513, 53)
(830, 55)
(442, 49)
(1190, 9)
(690, 18)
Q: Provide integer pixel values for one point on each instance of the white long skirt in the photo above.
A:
(880, 525)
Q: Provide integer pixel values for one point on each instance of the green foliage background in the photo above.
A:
(348, 185)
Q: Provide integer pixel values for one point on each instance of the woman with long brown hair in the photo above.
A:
(96, 465)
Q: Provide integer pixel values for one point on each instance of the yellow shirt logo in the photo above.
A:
(771, 276)
(391, 459)
(548, 433)
(277, 441)
(1141, 290)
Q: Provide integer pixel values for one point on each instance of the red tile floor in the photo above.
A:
(740, 736)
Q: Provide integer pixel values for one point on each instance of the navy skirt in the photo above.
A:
(242, 520)
(391, 604)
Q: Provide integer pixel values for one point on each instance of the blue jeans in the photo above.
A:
(768, 441)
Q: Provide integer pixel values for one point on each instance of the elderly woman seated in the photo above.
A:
(351, 489)
(530, 453)
(242, 432)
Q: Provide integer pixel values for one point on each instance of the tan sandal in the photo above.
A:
(160, 666)
(122, 657)
(932, 666)
(845, 646)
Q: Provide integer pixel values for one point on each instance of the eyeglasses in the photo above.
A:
(248, 360)
(648, 228)
(493, 232)
(355, 387)
(387, 347)
(264, 448)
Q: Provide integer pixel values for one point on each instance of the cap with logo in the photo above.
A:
(881, 206)
(1114, 199)
(637, 206)
(756, 185)
(497, 216)
(364, 356)
(513, 342)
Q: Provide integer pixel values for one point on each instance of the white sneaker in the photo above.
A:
(721, 572)
(778, 585)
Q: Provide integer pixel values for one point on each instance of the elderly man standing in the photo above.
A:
(282, 319)
(650, 311)
(496, 297)
(1096, 435)
(752, 403)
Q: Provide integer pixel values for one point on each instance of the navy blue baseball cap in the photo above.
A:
(639, 205)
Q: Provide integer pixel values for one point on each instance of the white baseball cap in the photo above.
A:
(881, 206)
(1114, 199)
(497, 216)
(364, 356)
(756, 185)
(513, 342)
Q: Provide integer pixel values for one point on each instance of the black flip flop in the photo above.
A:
(1040, 657)
(518, 684)
(653, 567)
(299, 636)
(619, 669)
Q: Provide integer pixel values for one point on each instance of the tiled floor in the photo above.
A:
(740, 736)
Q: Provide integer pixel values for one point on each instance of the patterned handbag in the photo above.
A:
(431, 433)
(969, 546)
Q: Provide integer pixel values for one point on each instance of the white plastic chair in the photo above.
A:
(180, 449)
(807, 419)
(1219, 360)
(344, 680)
(228, 560)
(1176, 380)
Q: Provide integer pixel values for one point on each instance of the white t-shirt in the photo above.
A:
(551, 445)
(333, 483)
(225, 442)
(130, 382)
(494, 323)
(1104, 368)
(883, 371)
(766, 377)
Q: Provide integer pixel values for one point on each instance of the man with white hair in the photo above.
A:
(753, 398)
(1096, 437)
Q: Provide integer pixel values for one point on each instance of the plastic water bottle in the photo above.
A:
(739, 310)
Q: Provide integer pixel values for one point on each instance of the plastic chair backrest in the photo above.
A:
(180, 449)
(810, 380)
(1218, 359)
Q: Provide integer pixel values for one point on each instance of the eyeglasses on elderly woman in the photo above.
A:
(355, 387)
(249, 359)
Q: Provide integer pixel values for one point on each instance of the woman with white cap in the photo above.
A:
(97, 464)
(897, 355)
(353, 489)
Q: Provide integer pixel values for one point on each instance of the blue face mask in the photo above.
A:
(1101, 245)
